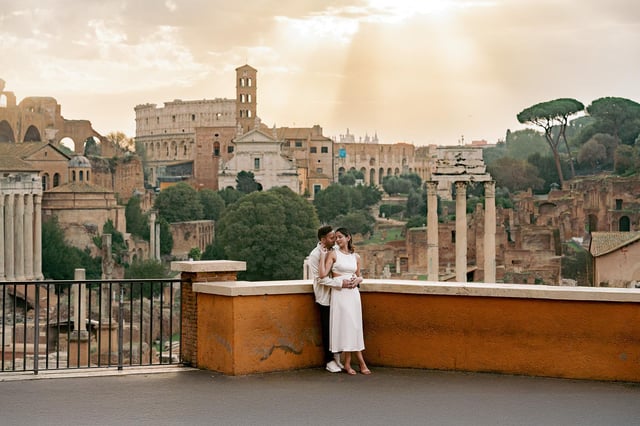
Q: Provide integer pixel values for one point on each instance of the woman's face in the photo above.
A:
(342, 240)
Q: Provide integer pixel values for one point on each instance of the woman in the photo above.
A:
(346, 309)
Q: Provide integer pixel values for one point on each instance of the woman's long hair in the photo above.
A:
(346, 233)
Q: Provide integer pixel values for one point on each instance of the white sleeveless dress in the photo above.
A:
(346, 309)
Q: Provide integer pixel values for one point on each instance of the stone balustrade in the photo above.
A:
(238, 327)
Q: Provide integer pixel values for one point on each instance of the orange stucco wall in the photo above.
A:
(254, 334)
(554, 338)
(572, 339)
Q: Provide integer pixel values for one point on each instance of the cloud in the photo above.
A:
(423, 72)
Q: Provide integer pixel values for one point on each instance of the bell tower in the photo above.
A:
(246, 102)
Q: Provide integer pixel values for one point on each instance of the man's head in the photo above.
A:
(326, 236)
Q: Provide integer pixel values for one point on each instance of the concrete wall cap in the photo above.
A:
(520, 291)
(209, 266)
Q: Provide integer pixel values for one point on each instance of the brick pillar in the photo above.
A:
(194, 272)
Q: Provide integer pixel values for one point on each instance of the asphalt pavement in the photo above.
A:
(313, 397)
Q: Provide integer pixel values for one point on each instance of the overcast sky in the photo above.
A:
(411, 71)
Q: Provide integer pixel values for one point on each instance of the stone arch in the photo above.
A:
(372, 176)
(56, 180)
(68, 143)
(624, 224)
(341, 171)
(6, 132)
(174, 148)
(184, 148)
(380, 175)
(396, 172)
(32, 134)
(389, 172)
(216, 149)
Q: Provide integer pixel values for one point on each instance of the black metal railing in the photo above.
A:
(50, 325)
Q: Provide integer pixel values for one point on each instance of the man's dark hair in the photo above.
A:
(324, 230)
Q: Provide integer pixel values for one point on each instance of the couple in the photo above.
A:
(336, 277)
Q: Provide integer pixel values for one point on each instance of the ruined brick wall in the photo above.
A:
(188, 235)
(124, 176)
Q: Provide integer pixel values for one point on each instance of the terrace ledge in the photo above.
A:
(518, 291)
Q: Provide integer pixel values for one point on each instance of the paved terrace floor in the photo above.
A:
(313, 397)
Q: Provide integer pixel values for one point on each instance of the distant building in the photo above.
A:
(81, 207)
(260, 154)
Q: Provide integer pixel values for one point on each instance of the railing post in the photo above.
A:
(36, 332)
(120, 325)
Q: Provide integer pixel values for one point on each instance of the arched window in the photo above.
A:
(216, 149)
(81, 176)
(73, 175)
(45, 181)
(56, 180)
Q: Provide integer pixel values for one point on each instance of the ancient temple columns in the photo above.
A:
(461, 232)
(20, 228)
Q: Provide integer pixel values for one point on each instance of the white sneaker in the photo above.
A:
(336, 358)
(332, 367)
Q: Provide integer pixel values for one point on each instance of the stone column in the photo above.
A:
(18, 240)
(2, 277)
(461, 232)
(157, 244)
(28, 237)
(37, 241)
(79, 338)
(433, 255)
(490, 232)
(8, 238)
(152, 236)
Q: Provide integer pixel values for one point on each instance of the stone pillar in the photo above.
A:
(18, 238)
(433, 255)
(107, 274)
(157, 245)
(152, 236)
(28, 237)
(37, 241)
(398, 265)
(8, 238)
(2, 277)
(461, 232)
(79, 338)
(490, 232)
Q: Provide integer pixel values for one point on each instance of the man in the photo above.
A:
(322, 291)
